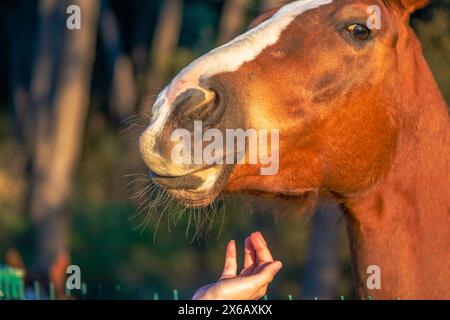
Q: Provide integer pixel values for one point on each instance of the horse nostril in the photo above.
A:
(198, 105)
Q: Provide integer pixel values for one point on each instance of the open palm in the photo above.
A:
(252, 282)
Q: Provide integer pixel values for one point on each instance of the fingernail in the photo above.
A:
(257, 240)
(261, 237)
(278, 265)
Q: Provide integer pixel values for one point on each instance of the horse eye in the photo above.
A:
(359, 31)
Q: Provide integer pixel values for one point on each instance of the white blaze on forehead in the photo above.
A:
(246, 47)
(227, 58)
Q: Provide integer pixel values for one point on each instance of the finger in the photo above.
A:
(263, 254)
(249, 287)
(267, 273)
(249, 257)
(230, 267)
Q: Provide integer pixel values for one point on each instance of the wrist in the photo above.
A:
(206, 293)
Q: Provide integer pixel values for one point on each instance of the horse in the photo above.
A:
(360, 118)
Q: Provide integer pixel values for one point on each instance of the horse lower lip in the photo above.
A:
(191, 181)
(188, 182)
(153, 175)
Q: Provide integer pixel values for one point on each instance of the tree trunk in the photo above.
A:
(322, 268)
(270, 4)
(60, 120)
(19, 64)
(164, 44)
(123, 93)
(233, 19)
(142, 30)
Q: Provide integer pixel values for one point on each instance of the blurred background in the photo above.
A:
(72, 104)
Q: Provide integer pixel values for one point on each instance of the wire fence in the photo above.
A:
(12, 287)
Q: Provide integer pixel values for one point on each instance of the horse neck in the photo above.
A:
(402, 224)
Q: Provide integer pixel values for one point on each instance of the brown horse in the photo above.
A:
(360, 118)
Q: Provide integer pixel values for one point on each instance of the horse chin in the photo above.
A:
(197, 189)
(192, 199)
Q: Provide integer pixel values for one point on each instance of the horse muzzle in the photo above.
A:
(191, 180)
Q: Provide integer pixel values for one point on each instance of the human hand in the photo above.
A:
(252, 282)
